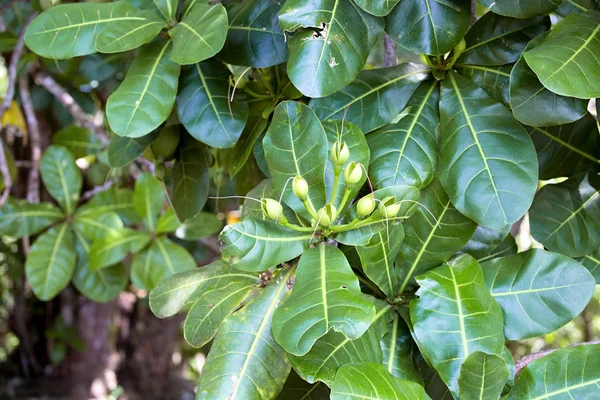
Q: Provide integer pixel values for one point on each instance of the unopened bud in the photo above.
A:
(326, 215)
(365, 206)
(460, 47)
(274, 210)
(340, 153)
(382, 207)
(353, 173)
(300, 187)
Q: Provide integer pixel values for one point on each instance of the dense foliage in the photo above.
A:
(372, 258)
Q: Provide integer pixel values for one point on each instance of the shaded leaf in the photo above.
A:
(168, 8)
(255, 127)
(202, 225)
(495, 80)
(79, 141)
(61, 177)
(397, 348)
(148, 199)
(482, 376)
(576, 6)
(112, 199)
(526, 8)
(297, 388)
(19, 218)
(592, 263)
(123, 150)
(489, 243)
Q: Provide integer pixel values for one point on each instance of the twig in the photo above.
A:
(5, 175)
(90, 193)
(523, 362)
(473, 12)
(35, 142)
(389, 51)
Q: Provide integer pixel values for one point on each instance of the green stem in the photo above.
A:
(336, 183)
(257, 95)
(344, 227)
(344, 200)
(298, 228)
(310, 207)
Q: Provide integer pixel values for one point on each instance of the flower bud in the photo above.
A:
(274, 210)
(353, 173)
(365, 206)
(460, 47)
(393, 210)
(340, 153)
(300, 187)
(326, 215)
(382, 207)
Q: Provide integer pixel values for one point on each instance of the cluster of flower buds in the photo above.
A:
(387, 208)
(274, 210)
(326, 215)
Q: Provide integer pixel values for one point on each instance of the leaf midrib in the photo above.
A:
(57, 244)
(96, 22)
(574, 213)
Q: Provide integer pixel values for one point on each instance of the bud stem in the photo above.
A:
(310, 207)
(336, 183)
(344, 200)
(298, 228)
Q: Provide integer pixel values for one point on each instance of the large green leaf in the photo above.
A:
(324, 60)
(204, 108)
(19, 218)
(333, 350)
(112, 199)
(566, 61)
(374, 98)
(566, 149)
(128, 34)
(254, 38)
(455, 315)
(488, 164)
(254, 245)
(167, 8)
(181, 290)
(202, 225)
(576, 6)
(114, 247)
(538, 291)
(96, 225)
(435, 27)
(482, 376)
(238, 157)
(566, 217)
(51, 262)
(61, 177)
(123, 150)
(526, 8)
(379, 8)
(498, 40)
(371, 381)
(489, 243)
(567, 373)
(326, 296)
(397, 348)
(70, 30)
(190, 179)
(532, 104)
(592, 263)
(296, 144)
(495, 80)
(433, 234)
(148, 199)
(79, 141)
(405, 152)
(245, 361)
(145, 98)
(200, 34)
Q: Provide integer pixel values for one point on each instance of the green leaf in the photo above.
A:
(498, 40)
(538, 291)
(51, 262)
(162, 259)
(254, 38)
(19, 218)
(489, 243)
(379, 8)
(494, 80)
(371, 381)
(374, 98)
(202, 225)
(200, 34)
(167, 222)
(96, 225)
(565, 61)
(322, 62)
(245, 361)
(61, 177)
(253, 209)
(114, 247)
(148, 199)
(433, 234)
(123, 150)
(397, 348)
(405, 153)
(592, 263)
(566, 149)
(70, 30)
(436, 26)
(203, 105)
(79, 141)
(565, 217)
(297, 388)
(113, 199)
(145, 98)
(210, 309)
(526, 8)
(255, 127)
(123, 35)
(571, 373)
(488, 164)
(532, 104)
(326, 296)
(296, 144)
(482, 376)
(253, 245)
(181, 290)
(455, 311)
(189, 191)
(168, 8)
(576, 6)
(333, 350)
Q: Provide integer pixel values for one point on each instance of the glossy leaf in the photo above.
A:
(245, 352)
(51, 262)
(571, 372)
(433, 234)
(482, 376)
(566, 217)
(380, 8)
(324, 61)
(123, 35)
(435, 26)
(326, 296)
(576, 6)
(565, 61)
(455, 315)
(123, 150)
(61, 177)
(253, 209)
(488, 243)
(374, 99)
(494, 80)
(405, 152)
(397, 347)
(592, 263)
(254, 38)
(203, 105)
(148, 199)
(526, 8)
(113, 248)
(168, 8)
(255, 127)
(371, 381)
(79, 141)
(498, 40)
(254, 245)
(19, 218)
(538, 291)
(488, 164)
(200, 34)
(145, 98)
